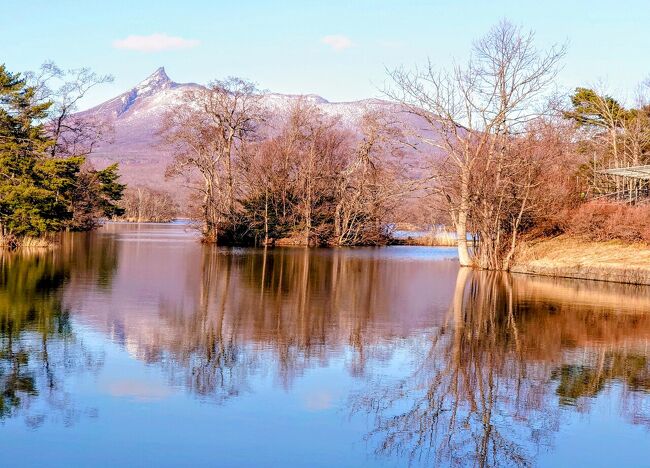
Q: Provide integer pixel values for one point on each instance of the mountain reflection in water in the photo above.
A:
(363, 356)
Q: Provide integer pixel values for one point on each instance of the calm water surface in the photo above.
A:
(136, 345)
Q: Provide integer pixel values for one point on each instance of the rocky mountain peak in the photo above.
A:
(154, 83)
(157, 80)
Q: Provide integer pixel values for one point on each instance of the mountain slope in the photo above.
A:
(136, 115)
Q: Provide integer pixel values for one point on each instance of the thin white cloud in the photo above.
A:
(155, 43)
(337, 42)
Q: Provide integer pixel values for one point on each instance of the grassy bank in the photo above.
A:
(571, 257)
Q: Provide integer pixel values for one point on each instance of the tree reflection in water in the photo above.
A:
(488, 383)
(38, 348)
(279, 311)
(515, 352)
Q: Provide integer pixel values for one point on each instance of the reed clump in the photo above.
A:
(433, 238)
(10, 242)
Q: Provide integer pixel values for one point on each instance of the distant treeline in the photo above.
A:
(141, 204)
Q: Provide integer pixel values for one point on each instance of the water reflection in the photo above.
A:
(38, 348)
(492, 385)
(214, 317)
(427, 363)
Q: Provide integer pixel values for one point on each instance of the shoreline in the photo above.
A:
(558, 257)
(566, 257)
(639, 277)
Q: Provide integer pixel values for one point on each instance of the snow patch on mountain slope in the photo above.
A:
(137, 113)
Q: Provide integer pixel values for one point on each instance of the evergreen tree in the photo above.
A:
(592, 109)
(39, 193)
(95, 196)
(32, 189)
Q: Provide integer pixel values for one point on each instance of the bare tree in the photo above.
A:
(372, 184)
(144, 204)
(205, 132)
(234, 109)
(478, 110)
(191, 139)
(321, 149)
(74, 134)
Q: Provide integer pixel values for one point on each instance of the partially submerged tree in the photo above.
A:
(204, 132)
(480, 110)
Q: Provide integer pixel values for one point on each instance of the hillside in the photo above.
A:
(136, 115)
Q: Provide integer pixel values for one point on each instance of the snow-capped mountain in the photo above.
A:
(136, 114)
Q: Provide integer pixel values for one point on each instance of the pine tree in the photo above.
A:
(593, 109)
(95, 196)
(39, 193)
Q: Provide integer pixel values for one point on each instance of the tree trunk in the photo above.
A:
(461, 222)
(266, 217)
(230, 194)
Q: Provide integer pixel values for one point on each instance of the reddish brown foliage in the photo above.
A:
(603, 221)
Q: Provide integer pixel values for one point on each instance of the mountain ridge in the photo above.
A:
(136, 114)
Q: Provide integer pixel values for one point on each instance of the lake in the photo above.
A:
(137, 345)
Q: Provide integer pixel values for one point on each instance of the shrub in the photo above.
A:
(603, 221)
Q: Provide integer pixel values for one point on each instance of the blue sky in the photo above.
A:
(338, 49)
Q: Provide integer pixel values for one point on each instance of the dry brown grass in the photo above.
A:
(437, 238)
(293, 241)
(46, 242)
(576, 257)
